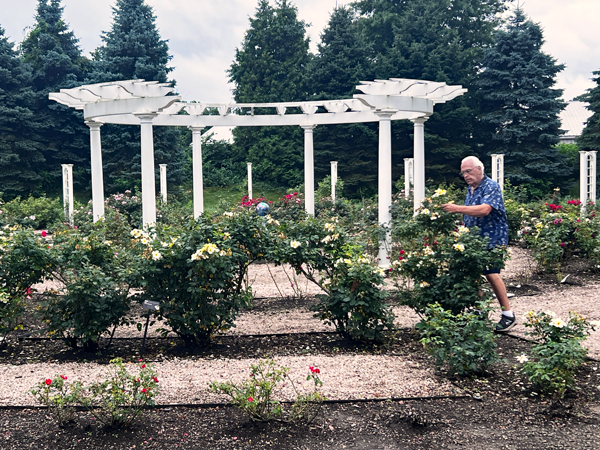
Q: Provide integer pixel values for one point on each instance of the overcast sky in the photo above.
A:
(203, 35)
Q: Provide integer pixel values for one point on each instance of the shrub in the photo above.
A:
(464, 341)
(97, 276)
(24, 261)
(561, 231)
(443, 260)
(58, 396)
(353, 299)
(557, 353)
(196, 271)
(118, 400)
(256, 396)
(34, 212)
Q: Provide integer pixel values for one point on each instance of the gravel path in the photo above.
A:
(186, 381)
(344, 376)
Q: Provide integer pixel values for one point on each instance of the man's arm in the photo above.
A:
(473, 211)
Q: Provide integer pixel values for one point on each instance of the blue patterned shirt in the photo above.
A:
(495, 224)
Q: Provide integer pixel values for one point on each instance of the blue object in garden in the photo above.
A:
(262, 209)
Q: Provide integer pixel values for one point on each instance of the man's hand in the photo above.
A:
(451, 208)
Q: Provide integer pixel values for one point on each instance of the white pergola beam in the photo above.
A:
(137, 102)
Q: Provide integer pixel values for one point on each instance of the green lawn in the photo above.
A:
(234, 194)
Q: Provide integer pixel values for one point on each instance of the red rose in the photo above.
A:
(48, 382)
(250, 399)
(44, 233)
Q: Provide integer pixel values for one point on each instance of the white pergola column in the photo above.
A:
(498, 169)
(197, 177)
(333, 179)
(96, 166)
(587, 177)
(249, 181)
(148, 176)
(419, 161)
(309, 169)
(163, 182)
(384, 183)
(67, 171)
(409, 175)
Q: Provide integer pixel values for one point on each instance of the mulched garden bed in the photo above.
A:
(500, 409)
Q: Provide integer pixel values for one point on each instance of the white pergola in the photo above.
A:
(149, 104)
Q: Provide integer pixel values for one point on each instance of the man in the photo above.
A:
(484, 208)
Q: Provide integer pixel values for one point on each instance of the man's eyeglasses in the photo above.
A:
(466, 172)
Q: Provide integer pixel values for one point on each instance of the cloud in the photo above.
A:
(570, 31)
(203, 35)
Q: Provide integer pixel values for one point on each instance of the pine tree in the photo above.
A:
(53, 54)
(519, 107)
(590, 137)
(270, 67)
(436, 40)
(133, 49)
(20, 152)
(341, 63)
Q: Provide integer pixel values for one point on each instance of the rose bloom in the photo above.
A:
(522, 359)
(250, 399)
(48, 382)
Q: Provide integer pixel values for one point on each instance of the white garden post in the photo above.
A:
(67, 171)
(163, 182)
(96, 166)
(249, 181)
(498, 169)
(385, 183)
(197, 180)
(333, 179)
(419, 162)
(148, 176)
(409, 176)
(587, 177)
(309, 170)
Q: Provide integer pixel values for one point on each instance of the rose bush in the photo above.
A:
(557, 352)
(97, 276)
(197, 271)
(257, 395)
(353, 300)
(442, 259)
(24, 261)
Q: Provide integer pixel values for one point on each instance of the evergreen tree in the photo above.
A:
(341, 63)
(20, 152)
(519, 107)
(133, 49)
(590, 137)
(53, 54)
(270, 67)
(436, 40)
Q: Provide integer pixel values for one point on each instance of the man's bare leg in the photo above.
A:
(499, 289)
(508, 320)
